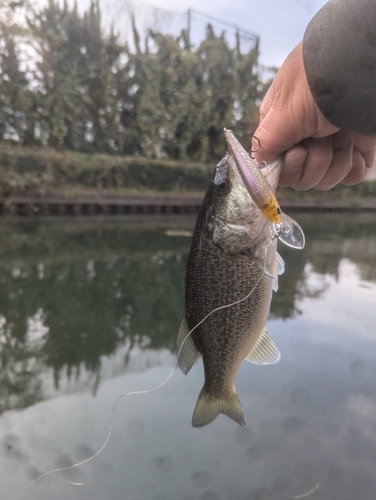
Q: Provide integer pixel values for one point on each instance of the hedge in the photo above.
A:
(45, 170)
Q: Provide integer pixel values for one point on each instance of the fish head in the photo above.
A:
(234, 220)
(231, 201)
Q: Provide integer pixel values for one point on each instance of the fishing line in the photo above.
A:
(146, 391)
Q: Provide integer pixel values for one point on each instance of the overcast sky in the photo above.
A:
(280, 24)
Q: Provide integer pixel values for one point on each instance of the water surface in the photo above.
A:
(89, 310)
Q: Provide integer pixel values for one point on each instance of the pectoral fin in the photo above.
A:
(280, 264)
(187, 351)
(265, 351)
(279, 268)
(261, 264)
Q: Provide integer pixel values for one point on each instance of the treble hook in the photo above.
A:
(257, 149)
(253, 150)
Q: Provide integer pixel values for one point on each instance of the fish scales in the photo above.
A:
(232, 268)
(206, 292)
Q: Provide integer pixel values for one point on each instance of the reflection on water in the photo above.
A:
(75, 293)
(90, 310)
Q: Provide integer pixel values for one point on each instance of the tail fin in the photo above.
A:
(208, 408)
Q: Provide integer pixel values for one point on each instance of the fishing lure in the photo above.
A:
(286, 229)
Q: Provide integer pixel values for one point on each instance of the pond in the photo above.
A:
(90, 309)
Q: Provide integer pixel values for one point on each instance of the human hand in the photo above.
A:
(318, 154)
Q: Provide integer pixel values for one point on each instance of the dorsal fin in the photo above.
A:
(265, 351)
(187, 351)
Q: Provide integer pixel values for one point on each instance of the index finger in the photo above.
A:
(275, 136)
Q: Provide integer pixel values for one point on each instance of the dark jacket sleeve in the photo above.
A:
(339, 50)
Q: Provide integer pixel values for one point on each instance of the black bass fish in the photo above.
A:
(232, 269)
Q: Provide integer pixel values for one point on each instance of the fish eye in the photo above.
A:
(222, 187)
(221, 179)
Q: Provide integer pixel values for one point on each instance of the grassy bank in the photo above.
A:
(43, 170)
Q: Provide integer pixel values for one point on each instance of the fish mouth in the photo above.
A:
(234, 222)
